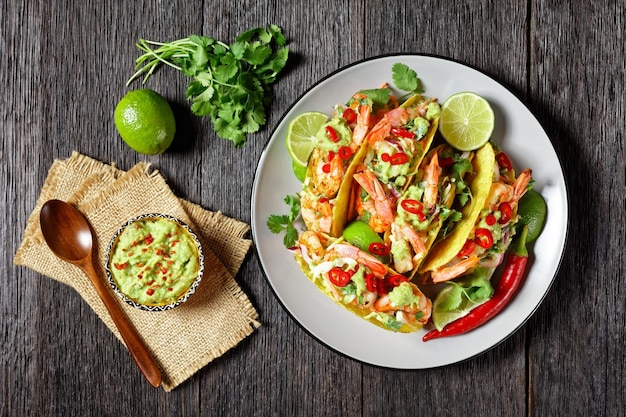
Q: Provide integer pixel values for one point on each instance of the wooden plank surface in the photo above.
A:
(65, 66)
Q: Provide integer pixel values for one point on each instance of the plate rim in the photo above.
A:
(263, 155)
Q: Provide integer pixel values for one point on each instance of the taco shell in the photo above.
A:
(446, 249)
(343, 200)
(362, 313)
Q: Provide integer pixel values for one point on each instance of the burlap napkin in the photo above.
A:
(183, 340)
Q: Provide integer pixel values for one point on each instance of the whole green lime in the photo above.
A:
(144, 119)
(532, 210)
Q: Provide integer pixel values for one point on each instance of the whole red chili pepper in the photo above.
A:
(505, 290)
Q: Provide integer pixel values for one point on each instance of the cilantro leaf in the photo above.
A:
(377, 95)
(278, 223)
(406, 79)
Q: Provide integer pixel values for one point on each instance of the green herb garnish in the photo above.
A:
(406, 79)
(277, 223)
(230, 82)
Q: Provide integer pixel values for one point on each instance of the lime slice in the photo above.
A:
(361, 235)
(466, 121)
(301, 136)
(532, 210)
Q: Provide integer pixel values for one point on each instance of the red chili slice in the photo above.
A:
(403, 133)
(339, 277)
(326, 168)
(445, 162)
(504, 161)
(398, 158)
(332, 134)
(483, 238)
(331, 155)
(468, 248)
(385, 157)
(382, 287)
(350, 115)
(370, 282)
(379, 249)
(412, 206)
(396, 280)
(490, 219)
(506, 211)
(345, 152)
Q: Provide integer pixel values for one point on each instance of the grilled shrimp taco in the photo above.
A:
(339, 147)
(424, 206)
(488, 224)
(362, 284)
(396, 145)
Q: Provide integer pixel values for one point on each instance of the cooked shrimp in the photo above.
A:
(447, 273)
(326, 175)
(408, 312)
(396, 117)
(344, 250)
(431, 177)
(382, 205)
(311, 246)
(317, 212)
(407, 234)
(362, 126)
(521, 184)
(502, 192)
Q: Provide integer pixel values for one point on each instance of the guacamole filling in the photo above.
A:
(154, 261)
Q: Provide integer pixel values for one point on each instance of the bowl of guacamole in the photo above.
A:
(154, 262)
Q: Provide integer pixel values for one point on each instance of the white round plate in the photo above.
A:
(517, 132)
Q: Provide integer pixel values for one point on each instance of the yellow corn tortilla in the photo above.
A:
(446, 249)
(362, 313)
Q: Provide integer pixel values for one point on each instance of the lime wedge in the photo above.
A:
(467, 121)
(361, 235)
(458, 298)
(301, 136)
(442, 314)
(532, 210)
(299, 170)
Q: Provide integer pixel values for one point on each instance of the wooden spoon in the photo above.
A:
(69, 236)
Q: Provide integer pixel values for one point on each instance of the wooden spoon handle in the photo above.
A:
(135, 345)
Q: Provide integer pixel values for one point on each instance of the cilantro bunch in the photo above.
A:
(230, 82)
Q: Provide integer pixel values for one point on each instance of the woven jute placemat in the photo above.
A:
(185, 339)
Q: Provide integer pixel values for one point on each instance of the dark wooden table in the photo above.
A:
(64, 67)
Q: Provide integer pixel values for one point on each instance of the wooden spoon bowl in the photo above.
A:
(69, 236)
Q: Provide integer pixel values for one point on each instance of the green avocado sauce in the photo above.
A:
(154, 261)
(344, 135)
(403, 295)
